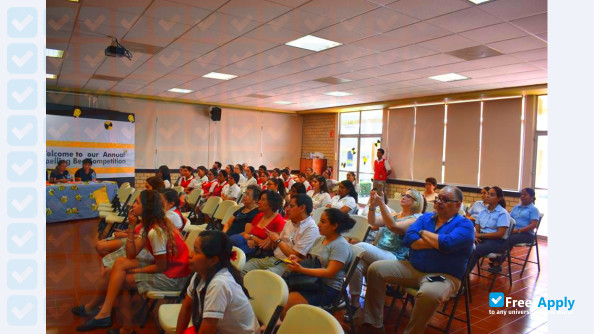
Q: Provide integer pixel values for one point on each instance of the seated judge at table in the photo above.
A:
(60, 174)
(86, 173)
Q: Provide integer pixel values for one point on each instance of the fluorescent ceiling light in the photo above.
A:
(339, 94)
(180, 90)
(54, 53)
(51, 76)
(313, 43)
(449, 77)
(478, 2)
(220, 76)
(283, 102)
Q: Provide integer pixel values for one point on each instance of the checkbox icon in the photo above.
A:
(496, 299)
(22, 22)
(22, 310)
(22, 58)
(22, 274)
(21, 166)
(21, 238)
(22, 202)
(22, 94)
(21, 130)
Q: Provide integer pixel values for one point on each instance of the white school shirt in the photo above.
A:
(300, 237)
(226, 301)
(248, 182)
(174, 218)
(320, 200)
(349, 201)
(231, 191)
(167, 184)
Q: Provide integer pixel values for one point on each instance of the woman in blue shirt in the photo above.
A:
(526, 216)
(478, 206)
(60, 174)
(491, 226)
(388, 243)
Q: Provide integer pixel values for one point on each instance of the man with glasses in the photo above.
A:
(296, 238)
(440, 244)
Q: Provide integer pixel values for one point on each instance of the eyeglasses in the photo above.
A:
(405, 195)
(444, 200)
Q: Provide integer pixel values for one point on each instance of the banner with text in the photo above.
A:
(108, 143)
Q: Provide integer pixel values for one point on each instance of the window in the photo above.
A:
(541, 171)
(360, 137)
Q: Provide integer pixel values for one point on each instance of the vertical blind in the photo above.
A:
(462, 143)
(401, 129)
(500, 153)
(428, 151)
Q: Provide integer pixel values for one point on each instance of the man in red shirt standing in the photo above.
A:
(381, 170)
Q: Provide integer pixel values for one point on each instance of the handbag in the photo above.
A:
(301, 282)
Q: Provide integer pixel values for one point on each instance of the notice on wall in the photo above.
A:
(108, 143)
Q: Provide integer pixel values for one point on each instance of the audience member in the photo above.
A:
(216, 300)
(165, 175)
(188, 180)
(346, 200)
(319, 192)
(250, 178)
(154, 183)
(171, 202)
(430, 187)
(231, 190)
(302, 178)
(440, 244)
(478, 206)
(287, 179)
(236, 224)
(217, 165)
(491, 227)
(168, 272)
(296, 238)
(388, 242)
(221, 183)
(328, 260)
(254, 236)
(353, 178)
(526, 216)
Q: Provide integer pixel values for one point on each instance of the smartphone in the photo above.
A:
(436, 278)
(287, 261)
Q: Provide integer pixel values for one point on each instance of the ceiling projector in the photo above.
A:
(117, 50)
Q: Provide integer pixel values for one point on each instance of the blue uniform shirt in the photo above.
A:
(477, 208)
(524, 215)
(491, 220)
(456, 238)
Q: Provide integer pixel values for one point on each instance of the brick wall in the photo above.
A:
(140, 179)
(316, 136)
(469, 197)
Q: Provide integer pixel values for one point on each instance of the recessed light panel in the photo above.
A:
(54, 53)
(219, 76)
(180, 90)
(339, 94)
(283, 102)
(449, 77)
(51, 76)
(313, 43)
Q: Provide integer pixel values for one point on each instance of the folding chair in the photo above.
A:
(121, 221)
(115, 202)
(153, 296)
(317, 214)
(179, 189)
(343, 300)
(123, 196)
(309, 319)
(269, 294)
(505, 255)
(463, 290)
(529, 245)
(219, 214)
(121, 212)
(394, 204)
(193, 199)
(361, 229)
(167, 314)
(230, 211)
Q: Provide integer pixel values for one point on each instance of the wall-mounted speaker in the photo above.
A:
(215, 114)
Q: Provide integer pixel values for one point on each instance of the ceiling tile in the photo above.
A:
(448, 43)
(289, 3)
(423, 11)
(336, 9)
(273, 34)
(206, 4)
(533, 24)
(512, 9)
(377, 43)
(301, 21)
(253, 10)
(518, 44)
(227, 24)
(414, 33)
(494, 33)
(466, 19)
(531, 55)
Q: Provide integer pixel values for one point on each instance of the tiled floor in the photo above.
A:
(73, 266)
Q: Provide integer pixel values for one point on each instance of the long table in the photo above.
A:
(70, 201)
